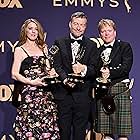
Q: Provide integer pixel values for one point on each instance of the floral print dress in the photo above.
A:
(37, 114)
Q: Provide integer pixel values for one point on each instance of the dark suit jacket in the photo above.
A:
(121, 61)
(63, 66)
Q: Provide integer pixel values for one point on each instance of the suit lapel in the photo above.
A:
(84, 47)
(115, 49)
(67, 49)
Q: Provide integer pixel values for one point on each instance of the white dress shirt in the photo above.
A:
(75, 48)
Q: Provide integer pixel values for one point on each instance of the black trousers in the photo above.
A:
(73, 115)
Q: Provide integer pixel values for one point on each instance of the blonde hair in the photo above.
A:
(105, 22)
(40, 41)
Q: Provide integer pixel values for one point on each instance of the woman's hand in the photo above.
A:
(38, 82)
(52, 73)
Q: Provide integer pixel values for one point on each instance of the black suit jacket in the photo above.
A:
(121, 61)
(63, 66)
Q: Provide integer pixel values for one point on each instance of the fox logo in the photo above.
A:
(10, 4)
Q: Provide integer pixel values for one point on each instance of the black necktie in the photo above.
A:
(79, 41)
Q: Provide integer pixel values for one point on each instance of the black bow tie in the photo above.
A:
(79, 41)
(109, 46)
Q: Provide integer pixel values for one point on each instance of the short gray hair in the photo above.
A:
(78, 15)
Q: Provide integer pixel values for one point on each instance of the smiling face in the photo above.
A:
(107, 30)
(107, 33)
(78, 26)
(32, 31)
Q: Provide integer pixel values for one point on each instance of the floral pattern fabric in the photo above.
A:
(37, 114)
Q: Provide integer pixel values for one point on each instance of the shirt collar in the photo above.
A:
(110, 44)
(72, 37)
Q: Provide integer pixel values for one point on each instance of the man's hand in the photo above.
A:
(78, 68)
(69, 83)
(105, 72)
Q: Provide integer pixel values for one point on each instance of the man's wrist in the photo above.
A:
(84, 70)
(65, 81)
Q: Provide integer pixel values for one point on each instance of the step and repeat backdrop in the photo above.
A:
(54, 16)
